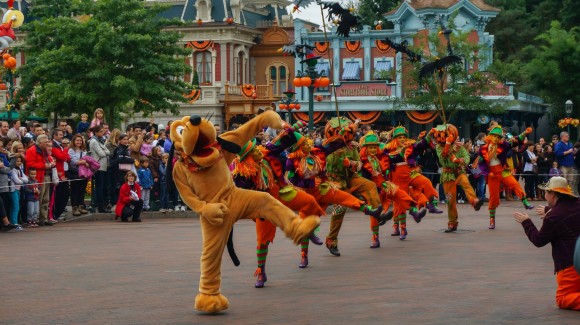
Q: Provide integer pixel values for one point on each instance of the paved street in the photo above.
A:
(105, 272)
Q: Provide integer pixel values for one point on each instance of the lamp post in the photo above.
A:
(569, 106)
(312, 79)
(289, 104)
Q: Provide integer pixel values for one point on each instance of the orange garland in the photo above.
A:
(365, 118)
(304, 116)
(422, 118)
(321, 47)
(352, 46)
(193, 95)
(199, 45)
(382, 46)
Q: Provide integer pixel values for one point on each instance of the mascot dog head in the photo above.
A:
(196, 137)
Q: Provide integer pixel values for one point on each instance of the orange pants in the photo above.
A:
(334, 196)
(450, 189)
(303, 202)
(359, 186)
(423, 190)
(494, 181)
(401, 203)
(401, 176)
(568, 293)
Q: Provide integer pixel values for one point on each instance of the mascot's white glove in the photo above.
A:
(13, 18)
(214, 213)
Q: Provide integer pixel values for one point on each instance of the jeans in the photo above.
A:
(146, 193)
(100, 189)
(480, 187)
(32, 209)
(164, 197)
(14, 206)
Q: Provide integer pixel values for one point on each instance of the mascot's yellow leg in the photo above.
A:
(211, 303)
(263, 205)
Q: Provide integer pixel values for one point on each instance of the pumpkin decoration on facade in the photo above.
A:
(3, 86)
(229, 20)
(199, 22)
(443, 131)
(318, 98)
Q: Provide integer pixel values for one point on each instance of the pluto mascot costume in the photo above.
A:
(205, 183)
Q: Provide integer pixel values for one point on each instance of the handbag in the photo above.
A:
(125, 167)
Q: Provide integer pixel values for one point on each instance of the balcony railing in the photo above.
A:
(234, 92)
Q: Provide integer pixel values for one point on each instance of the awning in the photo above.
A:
(15, 115)
(383, 66)
(322, 68)
(351, 71)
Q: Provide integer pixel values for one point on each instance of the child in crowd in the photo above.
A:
(555, 170)
(83, 125)
(163, 183)
(146, 181)
(130, 202)
(147, 145)
(31, 195)
(18, 178)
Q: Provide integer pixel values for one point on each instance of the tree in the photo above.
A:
(118, 57)
(456, 89)
(372, 11)
(553, 72)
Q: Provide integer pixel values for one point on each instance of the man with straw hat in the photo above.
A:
(561, 228)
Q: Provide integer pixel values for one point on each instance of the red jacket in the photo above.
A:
(61, 155)
(37, 159)
(125, 197)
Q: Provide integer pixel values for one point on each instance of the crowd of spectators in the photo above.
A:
(42, 170)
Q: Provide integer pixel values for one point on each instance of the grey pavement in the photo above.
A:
(106, 272)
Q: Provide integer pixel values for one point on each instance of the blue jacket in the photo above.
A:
(162, 172)
(145, 178)
(564, 160)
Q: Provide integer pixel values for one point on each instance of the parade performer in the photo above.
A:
(205, 183)
(305, 168)
(258, 168)
(492, 161)
(402, 153)
(375, 167)
(453, 158)
(342, 167)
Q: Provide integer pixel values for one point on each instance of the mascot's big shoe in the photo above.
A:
(205, 183)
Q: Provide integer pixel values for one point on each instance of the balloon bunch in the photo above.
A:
(9, 61)
(568, 121)
(304, 80)
(289, 103)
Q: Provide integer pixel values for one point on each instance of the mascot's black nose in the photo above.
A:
(195, 120)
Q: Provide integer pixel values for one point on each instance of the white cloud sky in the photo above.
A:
(312, 12)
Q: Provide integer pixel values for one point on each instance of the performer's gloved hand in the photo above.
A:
(528, 130)
(346, 162)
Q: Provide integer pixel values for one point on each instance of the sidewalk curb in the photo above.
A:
(144, 215)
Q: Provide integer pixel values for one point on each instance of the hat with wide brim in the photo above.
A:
(369, 139)
(247, 148)
(557, 184)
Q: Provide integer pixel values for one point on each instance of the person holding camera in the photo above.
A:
(130, 202)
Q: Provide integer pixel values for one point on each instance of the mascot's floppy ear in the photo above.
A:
(229, 146)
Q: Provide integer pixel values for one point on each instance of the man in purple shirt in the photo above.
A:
(561, 228)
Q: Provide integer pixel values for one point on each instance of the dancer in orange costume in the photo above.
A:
(453, 159)
(305, 168)
(375, 166)
(257, 168)
(492, 160)
(403, 173)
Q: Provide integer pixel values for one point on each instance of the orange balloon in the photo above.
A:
(6, 56)
(297, 106)
(282, 106)
(306, 81)
(317, 82)
(292, 106)
(324, 82)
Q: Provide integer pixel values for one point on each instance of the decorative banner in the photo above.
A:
(352, 47)
(318, 116)
(420, 117)
(193, 95)
(382, 46)
(199, 45)
(365, 118)
(322, 47)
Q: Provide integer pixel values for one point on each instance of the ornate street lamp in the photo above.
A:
(289, 104)
(569, 107)
(312, 79)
